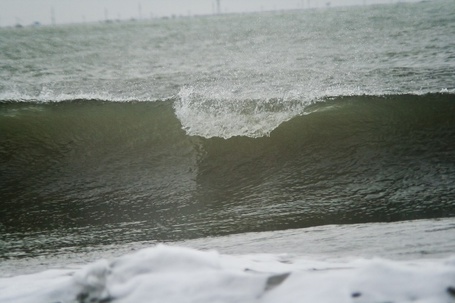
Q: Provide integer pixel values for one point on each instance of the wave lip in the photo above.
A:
(217, 112)
(47, 95)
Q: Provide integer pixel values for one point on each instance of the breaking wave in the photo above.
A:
(268, 163)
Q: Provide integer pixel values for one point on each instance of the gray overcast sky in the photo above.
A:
(26, 12)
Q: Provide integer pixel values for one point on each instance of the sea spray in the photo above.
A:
(219, 112)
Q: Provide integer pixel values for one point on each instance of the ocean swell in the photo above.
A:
(348, 160)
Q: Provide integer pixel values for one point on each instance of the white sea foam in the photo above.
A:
(176, 274)
(47, 95)
(220, 112)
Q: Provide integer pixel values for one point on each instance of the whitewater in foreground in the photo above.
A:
(409, 261)
(176, 274)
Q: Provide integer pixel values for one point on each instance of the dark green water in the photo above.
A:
(68, 168)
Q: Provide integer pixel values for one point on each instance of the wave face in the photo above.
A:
(104, 167)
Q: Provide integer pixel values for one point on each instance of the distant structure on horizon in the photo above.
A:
(52, 16)
(216, 10)
(139, 9)
(218, 7)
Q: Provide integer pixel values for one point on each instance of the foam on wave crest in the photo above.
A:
(219, 112)
(47, 95)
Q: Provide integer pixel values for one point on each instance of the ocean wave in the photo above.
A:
(213, 111)
(349, 159)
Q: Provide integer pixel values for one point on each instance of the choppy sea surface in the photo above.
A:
(243, 133)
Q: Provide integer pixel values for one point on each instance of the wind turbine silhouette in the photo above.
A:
(218, 8)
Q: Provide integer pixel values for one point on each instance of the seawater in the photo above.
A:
(172, 130)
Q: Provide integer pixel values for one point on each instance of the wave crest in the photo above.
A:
(218, 112)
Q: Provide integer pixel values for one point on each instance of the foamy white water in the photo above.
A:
(411, 261)
(176, 274)
(221, 112)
